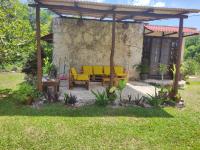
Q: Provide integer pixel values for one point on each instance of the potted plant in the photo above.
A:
(163, 68)
(144, 71)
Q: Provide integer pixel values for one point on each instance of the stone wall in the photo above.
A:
(79, 43)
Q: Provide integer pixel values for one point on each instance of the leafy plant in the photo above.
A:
(121, 86)
(190, 67)
(157, 99)
(173, 70)
(111, 93)
(101, 98)
(154, 100)
(70, 99)
(26, 93)
(47, 66)
(163, 68)
(142, 68)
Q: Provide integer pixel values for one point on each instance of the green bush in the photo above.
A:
(101, 98)
(120, 87)
(154, 100)
(111, 93)
(190, 67)
(26, 94)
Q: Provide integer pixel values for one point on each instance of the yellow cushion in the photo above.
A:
(121, 74)
(119, 71)
(82, 77)
(87, 70)
(73, 71)
(97, 70)
(106, 70)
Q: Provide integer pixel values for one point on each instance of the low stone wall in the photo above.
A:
(79, 43)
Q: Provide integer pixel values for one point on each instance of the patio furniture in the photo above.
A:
(97, 73)
(74, 76)
(106, 70)
(51, 88)
(87, 70)
(119, 72)
(107, 80)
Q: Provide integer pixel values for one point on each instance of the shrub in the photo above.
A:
(70, 99)
(155, 101)
(121, 86)
(47, 66)
(190, 67)
(111, 93)
(26, 93)
(163, 68)
(101, 98)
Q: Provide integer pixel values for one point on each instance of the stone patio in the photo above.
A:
(85, 97)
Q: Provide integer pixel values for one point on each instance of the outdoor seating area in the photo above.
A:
(95, 74)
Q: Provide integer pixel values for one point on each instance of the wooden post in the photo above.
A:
(178, 58)
(112, 52)
(39, 57)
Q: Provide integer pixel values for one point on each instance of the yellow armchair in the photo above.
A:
(119, 71)
(106, 70)
(98, 70)
(87, 70)
(74, 76)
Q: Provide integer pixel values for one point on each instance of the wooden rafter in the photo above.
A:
(76, 6)
(170, 33)
(191, 34)
(106, 14)
(91, 10)
(132, 15)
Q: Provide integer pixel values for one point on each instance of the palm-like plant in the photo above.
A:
(163, 68)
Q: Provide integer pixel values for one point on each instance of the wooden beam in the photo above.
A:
(148, 32)
(170, 33)
(106, 14)
(76, 5)
(132, 15)
(39, 56)
(191, 34)
(91, 10)
(100, 20)
(112, 52)
(178, 58)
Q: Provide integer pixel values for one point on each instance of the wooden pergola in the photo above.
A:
(109, 13)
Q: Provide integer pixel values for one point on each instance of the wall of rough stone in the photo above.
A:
(89, 42)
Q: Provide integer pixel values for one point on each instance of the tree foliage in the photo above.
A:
(191, 63)
(17, 34)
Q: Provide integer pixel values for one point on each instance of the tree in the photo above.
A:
(17, 34)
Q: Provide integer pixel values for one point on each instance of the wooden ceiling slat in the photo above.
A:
(102, 10)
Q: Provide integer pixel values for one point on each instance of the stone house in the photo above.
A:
(88, 42)
(78, 43)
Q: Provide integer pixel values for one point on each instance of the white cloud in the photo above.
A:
(98, 1)
(155, 3)
(159, 4)
(141, 2)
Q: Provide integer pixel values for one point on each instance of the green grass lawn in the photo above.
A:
(10, 80)
(56, 127)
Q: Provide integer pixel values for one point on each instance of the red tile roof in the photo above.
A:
(158, 28)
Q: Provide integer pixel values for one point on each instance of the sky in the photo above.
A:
(192, 21)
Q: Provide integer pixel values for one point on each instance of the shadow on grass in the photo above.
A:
(9, 108)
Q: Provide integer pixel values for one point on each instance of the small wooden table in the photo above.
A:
(51, 83)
